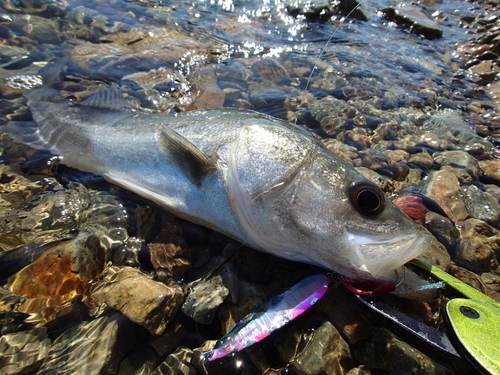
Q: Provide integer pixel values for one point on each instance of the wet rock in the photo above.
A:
(325, 353)
(204, 80)
(415, 20)
(178, 363)
(444, 188)
(204, 298)
(361, 370)
(493, 92)
(313, 11)
(148, 222)
(382, 182)
(459, 159)
(413, 207)
(481, 205)
(170, 255)
(138, 362)
(478, 245)
(270, 70)
(361, 10)
(266, 93)
(492, 280)
(169, 339)
(146, 302)
(448, 125)
(22, 352)
(250, 297)
(443, 229)
(23, 81)
(474, 280)
(343, 151)
(344, 314)
(128, 253)
(62, 271)
(94, 347)
(484, 71)
(384, 351)
(491, 168)
(436, 254)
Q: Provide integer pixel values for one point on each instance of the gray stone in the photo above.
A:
(481, 205)
(204, 298)
(415, 20)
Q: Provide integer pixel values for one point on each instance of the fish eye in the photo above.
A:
(367, 198)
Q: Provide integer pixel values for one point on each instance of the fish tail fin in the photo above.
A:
(26, 132)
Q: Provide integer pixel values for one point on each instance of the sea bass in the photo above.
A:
(260, 180)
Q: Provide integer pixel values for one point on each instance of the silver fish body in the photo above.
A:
(260, 180)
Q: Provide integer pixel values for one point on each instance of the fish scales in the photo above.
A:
(255, 178)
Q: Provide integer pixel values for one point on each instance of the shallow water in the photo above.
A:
(388, 100)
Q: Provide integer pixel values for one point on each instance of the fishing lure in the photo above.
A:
(275, 313)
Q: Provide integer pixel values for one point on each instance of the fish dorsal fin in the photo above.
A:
(186, 155)
(107, 98)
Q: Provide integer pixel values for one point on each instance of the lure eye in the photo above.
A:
(368, 199)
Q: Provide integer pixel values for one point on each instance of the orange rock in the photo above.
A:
(60, 271)
(413, 207)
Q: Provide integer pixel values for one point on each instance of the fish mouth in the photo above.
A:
(378, 257)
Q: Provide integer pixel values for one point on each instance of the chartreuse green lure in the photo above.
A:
(474, 321)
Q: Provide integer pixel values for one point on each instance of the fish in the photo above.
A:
(263, 181)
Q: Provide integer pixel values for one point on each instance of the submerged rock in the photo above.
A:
(443, 229)
(459, 159)
(204, 298)
(325, 353)
(385, 351)
(94, 347)
(478, 245)
(178, 363)
(444, 188)
(146, 302)
(61, 271)
(481, 205)
(22, 352)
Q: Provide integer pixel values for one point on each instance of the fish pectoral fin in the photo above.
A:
(107, 98)
(186, 155)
